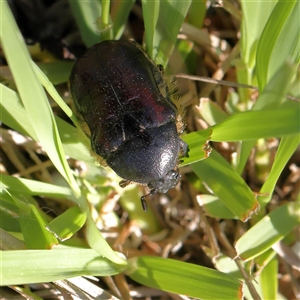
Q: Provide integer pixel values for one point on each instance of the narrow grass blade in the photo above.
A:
(255, 16)
(171, 17)
(227, 185)
(35, 188)
(33, 225)
(68, 223)
(150, 14)
(32, 93)
(15, 116)
(183, 278)
(268, 280)
(120, 11)
(57, 71)
(268, 231)
(279, 41)
(99, 244)
(287, 147)
(252, 125)
(86, 14)
(50, 265)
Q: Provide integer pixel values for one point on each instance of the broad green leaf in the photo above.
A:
(183, 278)
(227, 185)
(33, 266)
(268, 231)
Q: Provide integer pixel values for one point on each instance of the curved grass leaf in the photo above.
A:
(15, 116)
(279, 41)
(120, 11)
(255, 16)
(287, 147)
(252, 125)
(269, 230)
(86, 14)
(33, 95)
(227, 185)
(170, 19)
(150, 15)
(268, 280)
(68, 223)
(32, 266)
(183, 278)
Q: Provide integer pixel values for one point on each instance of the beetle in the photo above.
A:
(121, 94)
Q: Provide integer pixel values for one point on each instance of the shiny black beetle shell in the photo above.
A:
(121, 95)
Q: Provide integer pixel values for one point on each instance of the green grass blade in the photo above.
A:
(68, 223)
(99, 244)
(150, 14)
(287, 147)
(279, 41)
(183, 278)
(252, 125)
(255, 16)
(57, 71)
(33, 224)
(268, 280)
(15, 116)
(86, 14)
(198, 146)
(214, 207)
(33, 95)
(171, 17)
(272, 97)
(50, 265)
(268, 231)
(35, 188)
(120, 11)
(227, 185)
(13, 112)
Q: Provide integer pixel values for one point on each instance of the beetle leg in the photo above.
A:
(184, 147)
(123, 183)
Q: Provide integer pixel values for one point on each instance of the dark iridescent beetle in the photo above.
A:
(122, 96)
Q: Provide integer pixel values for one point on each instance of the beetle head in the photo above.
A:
(162, 185)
